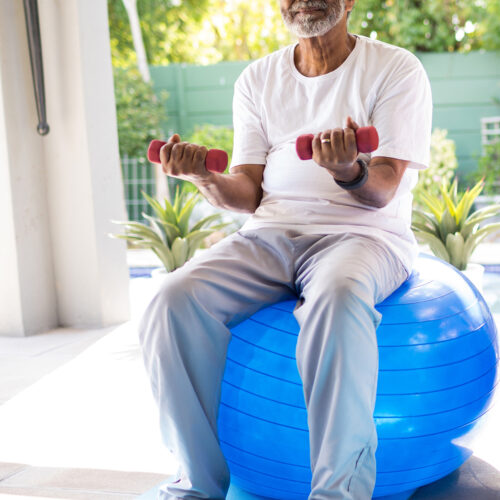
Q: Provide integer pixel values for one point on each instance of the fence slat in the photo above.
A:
(137, 177)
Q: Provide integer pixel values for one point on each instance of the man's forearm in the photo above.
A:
(383, 181)
(236, 192)
(239, 191)
(380, 187)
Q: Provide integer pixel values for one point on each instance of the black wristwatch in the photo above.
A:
(359, 180)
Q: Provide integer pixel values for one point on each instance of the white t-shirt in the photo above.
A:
(378, 84)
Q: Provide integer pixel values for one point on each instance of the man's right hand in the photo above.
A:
(240, 190)
(184, 160)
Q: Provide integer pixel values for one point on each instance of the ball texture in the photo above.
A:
(438, 356)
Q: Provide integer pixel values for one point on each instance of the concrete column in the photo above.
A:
(59, 193)
(27, 288)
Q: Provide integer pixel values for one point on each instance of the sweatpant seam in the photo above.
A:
(356, 466)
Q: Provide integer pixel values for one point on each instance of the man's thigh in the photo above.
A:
(237, 276)
(362, 263)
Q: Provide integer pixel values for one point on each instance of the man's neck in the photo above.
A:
(320, 55)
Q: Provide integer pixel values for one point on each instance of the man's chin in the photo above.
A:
(302, 31)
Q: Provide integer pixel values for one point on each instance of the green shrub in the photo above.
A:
(442, 167)
(139, 112)
(488, 169)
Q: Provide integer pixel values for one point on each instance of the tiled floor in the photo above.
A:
(77, 419)
(56, 482)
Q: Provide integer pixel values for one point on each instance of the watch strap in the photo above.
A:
(359, 181)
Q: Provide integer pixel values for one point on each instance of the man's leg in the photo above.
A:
(340, 279)
(184, 335)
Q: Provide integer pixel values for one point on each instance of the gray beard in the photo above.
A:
(306, 25)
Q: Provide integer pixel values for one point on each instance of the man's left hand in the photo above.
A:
(336, 150)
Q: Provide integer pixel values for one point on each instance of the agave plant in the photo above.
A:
(450, 230)
(169, 234)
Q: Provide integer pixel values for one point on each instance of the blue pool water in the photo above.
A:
(491, 289)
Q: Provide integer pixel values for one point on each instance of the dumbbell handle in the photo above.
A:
(216, 160)
(366, 141)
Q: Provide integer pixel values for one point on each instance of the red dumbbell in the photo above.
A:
(216, 160)
(366, 140)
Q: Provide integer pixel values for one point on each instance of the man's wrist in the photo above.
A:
(203, 181)
(359, 180)
(349, 174)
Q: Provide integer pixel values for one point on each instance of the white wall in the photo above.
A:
(58, 193)
(27, 288)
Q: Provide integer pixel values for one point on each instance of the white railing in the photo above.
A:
(490, 130)
(139, 175)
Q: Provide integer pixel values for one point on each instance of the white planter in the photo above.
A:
(157, 277)
(475, 273)
(158, 273)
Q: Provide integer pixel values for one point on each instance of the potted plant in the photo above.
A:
(450, 229)
(170, 234)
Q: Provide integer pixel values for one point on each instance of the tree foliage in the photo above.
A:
(490, 30)
(168, 29)
(209, 31)
(429, 25)
(238, 30)
(198, 31)
(139, 112)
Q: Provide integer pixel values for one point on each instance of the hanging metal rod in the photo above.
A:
(35, 47)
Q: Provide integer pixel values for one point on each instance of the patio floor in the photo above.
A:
(77, 419)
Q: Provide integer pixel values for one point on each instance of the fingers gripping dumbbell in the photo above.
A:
(366, 140)
(216, 160)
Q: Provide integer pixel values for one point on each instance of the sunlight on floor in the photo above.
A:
(96, 411)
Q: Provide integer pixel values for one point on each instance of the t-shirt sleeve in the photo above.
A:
(402, 115)
(250, 144)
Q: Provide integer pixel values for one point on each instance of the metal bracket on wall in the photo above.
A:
(35, 48)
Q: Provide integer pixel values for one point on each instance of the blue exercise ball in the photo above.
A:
(438, 359)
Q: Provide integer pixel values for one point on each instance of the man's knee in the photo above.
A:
(169, 305)
(341, 291)
(176, 290)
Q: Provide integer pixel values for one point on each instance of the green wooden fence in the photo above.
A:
(137, 177)
(197, 94)
(466, 87)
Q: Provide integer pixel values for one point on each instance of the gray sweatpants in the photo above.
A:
(185, 333)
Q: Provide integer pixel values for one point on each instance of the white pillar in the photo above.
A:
(59, 193)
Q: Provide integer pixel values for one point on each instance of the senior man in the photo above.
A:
(333, 231)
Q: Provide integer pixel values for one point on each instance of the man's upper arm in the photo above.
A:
(402, 113)
(250, 144)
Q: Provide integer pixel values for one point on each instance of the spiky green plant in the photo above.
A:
(169, 234)
(448, 227)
